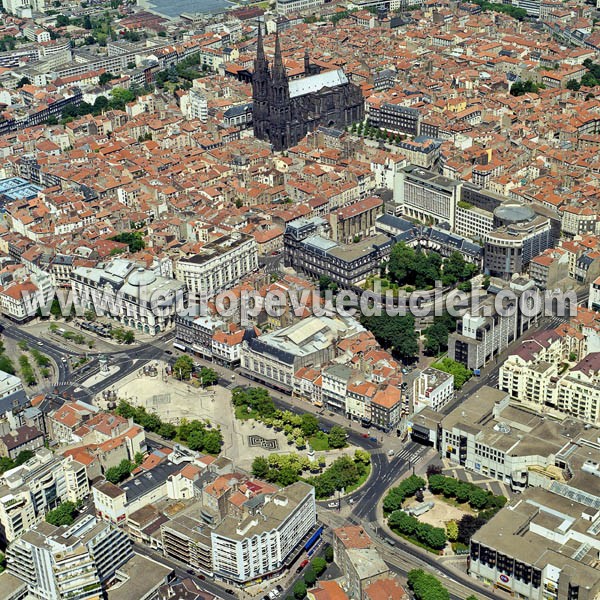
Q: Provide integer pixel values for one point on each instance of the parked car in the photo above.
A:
(372, 439)
(333, 504)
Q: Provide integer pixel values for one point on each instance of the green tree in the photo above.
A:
(319, 564)
(310, 424)
(6, 365)
(212, 442)
(573, 84)
(63, 514)
(452, 530)
(310, 576)
(183, 367)
(337, 437)
(460, 373)
(299, 590)
(329, 554)
(260, 467)
(208, 377)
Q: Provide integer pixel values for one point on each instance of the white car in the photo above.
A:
(40, 343)
(332, 505)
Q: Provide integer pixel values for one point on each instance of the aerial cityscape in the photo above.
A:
(300, 299)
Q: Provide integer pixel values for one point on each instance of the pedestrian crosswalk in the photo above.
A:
(413, 457)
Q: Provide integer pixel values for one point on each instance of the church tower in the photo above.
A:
(261, 86)
(280, 106)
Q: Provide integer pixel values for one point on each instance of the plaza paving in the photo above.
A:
(174, 400)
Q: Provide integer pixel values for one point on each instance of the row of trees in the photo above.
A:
(463, 491)
(312, 572)
(376, 133)
(256, 403)
(197, 435)
(27, 372)
(406, 489)
(404, 524)
(421, 270)
(461, 373)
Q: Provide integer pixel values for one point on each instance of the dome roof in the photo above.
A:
(141, 277)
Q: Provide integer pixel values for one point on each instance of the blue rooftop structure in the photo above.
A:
(17, 188)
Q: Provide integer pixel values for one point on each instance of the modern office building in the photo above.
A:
(69, 561)
(288, 7)
(30, 490)
(129, 293)
(542, 546)
(519, 236)
(426, 196)
(219, 265)
(484, 333)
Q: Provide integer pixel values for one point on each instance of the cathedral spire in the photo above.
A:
(306, 62)
(278, 68)
(260, 62)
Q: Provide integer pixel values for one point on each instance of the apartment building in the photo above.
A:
(19, 440)
(432, 389)
(130, 294)
(594, 299)
(543, 545)
(358, 559)
(219, 265)
(262, 543)
(30, 490)
(9, 384)
(579, 220)
(426, 196)
(578, 391)
(69, 561)
(240, 529)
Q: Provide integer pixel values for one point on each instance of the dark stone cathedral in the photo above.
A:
(284, 111)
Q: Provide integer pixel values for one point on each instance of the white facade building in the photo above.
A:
(433, 388)
(221, 264)
(69, 561)
(30, 490)
(133, 295)
(260, 544)
(9, 384)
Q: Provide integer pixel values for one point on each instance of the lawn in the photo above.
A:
(351, 488)
(319, 442)
(241, 413)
